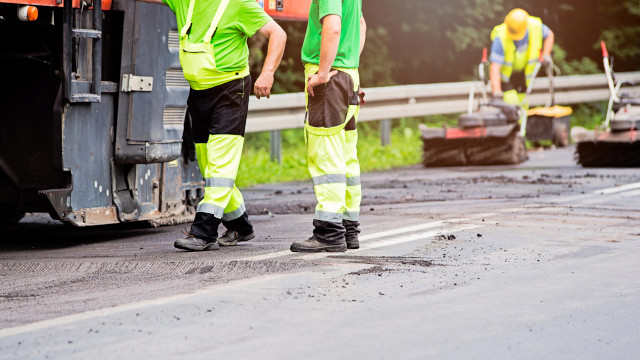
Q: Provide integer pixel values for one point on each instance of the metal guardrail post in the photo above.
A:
(385, 132)
(276, 146)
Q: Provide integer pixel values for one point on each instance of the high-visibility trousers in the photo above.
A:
(332, 136)
(219, 119)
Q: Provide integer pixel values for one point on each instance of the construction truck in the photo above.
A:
(94, 127)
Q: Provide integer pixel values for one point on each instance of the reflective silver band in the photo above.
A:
(353, 181)
(329, 179)
(212, 209)
(234, 214)
(351, 215)
(509, 64)
(328, 216)
(219, 182)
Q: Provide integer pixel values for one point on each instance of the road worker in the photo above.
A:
(215, 61)
(334, 39)
(517, 45)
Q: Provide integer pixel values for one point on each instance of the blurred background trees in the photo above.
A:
(420, 41)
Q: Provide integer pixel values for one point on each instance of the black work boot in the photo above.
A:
(313, 245)
(351, 235)
(192, 243)
(238, 230)
(232, 238)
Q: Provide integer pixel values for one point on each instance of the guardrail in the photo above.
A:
(287, 111)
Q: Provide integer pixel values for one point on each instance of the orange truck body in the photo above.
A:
(278, 9)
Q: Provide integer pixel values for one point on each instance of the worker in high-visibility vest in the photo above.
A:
(215, 61)
(516, 48)
(331, 50)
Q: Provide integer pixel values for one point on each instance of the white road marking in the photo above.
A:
(617, 189)
(45, 324)
(622, 190)
(394, 241)
(380, 234)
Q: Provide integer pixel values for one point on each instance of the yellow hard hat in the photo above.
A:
(516, 22)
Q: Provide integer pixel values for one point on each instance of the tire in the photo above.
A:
(10, 217)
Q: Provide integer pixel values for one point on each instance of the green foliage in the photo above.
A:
(574, 67)
(589, 115)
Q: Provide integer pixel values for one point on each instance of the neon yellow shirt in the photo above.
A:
(241, 20)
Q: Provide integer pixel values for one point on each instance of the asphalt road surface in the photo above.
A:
(535, 261)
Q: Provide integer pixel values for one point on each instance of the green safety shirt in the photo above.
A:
(240, 21)
(350, 11)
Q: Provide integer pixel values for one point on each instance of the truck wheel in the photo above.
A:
(10, 217)
(560, 135)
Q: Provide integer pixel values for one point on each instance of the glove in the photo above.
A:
(547, 61)
(496, 96)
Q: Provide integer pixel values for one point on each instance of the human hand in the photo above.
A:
(319, 79)
(361, 95)
(263, 84)
(547, 61)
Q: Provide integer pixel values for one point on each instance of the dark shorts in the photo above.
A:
(220, 110)
(330, 103)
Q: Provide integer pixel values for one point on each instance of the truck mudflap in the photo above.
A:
(492, 145)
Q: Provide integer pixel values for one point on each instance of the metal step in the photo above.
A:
(85, 97)
(87, 33)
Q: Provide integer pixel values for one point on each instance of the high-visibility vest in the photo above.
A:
(534, 29)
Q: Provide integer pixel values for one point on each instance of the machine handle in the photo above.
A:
(484, 55)
(605, 54)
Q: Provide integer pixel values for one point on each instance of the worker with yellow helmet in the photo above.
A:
(516, 48)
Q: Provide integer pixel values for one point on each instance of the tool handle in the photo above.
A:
(605, 54)
(484, 55)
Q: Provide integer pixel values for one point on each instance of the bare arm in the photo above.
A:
(277, 40)
(363, 33)
(331, 28)
(494, 77)
(547, 45)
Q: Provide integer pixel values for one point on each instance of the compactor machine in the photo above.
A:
(614, 143)
(489, 135)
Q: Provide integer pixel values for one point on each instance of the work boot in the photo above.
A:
(351, 233)
(192, 243)
(353, 243)
(231, 238)
(313, 245)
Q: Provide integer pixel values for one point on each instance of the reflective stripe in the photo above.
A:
(329, 179)
(351, 215)
(509, 64)
(234, 214)
(328, 216)
(504, 78)
(353, 181)
(219, 182)
(532, 61)
(212, 209)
